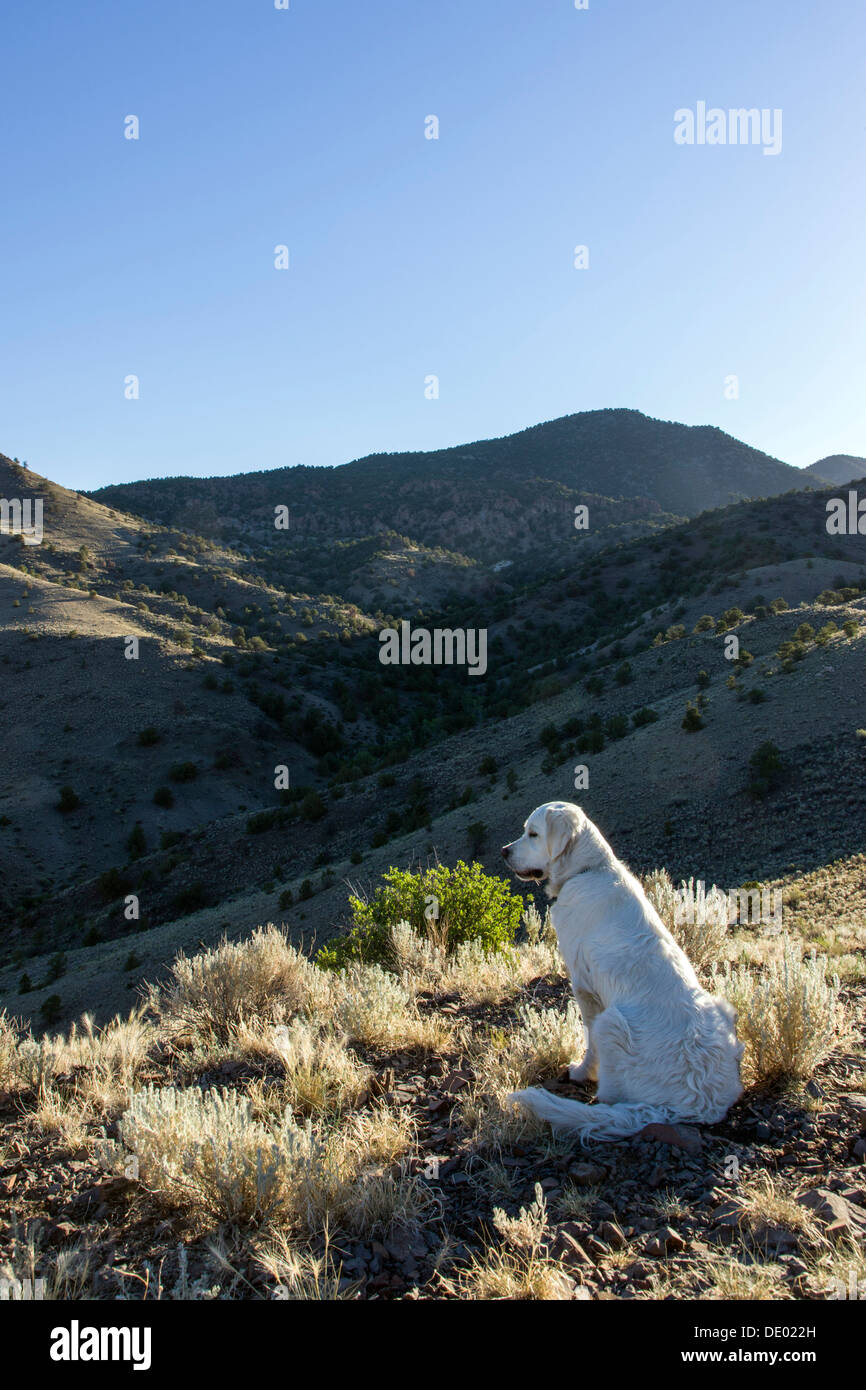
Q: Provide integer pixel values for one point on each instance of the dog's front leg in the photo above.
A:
(590, 1007)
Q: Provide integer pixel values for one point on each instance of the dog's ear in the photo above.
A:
(563, 823)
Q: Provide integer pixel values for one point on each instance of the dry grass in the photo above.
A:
(765, 1203)
(537, 1046)
(210, 995)
(515, 1267)
(473, 974)
(735, 1280)
(75, 1081)
(67, 1271)
(301, 1152)
(696, 919)
(209, 1153)
(371, 1006)
(789, 1017)
(301, 1276)
(320, 1075)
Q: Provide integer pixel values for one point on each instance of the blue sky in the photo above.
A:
(411, 257)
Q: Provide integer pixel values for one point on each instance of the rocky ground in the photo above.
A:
(769, 1204)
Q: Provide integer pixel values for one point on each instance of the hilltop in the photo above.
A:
(837, 468)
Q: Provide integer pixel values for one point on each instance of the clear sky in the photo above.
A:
(408, 256)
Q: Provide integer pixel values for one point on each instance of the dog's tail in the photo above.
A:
(592, 1121)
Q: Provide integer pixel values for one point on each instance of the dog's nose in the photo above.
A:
(506, 850)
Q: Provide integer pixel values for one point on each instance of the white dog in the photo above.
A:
(660, 1047)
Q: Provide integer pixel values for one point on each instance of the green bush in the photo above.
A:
(136, 841)
(312, 807)
(692, 721)
(473, 906)
(51, 1009)
(644, 716)
(616, 726)
(112, 885)
(767, 770)
(183, 772)
(477, 833)
(68, 800)
(191, 899)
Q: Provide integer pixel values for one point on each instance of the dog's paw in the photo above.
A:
(582, 1071)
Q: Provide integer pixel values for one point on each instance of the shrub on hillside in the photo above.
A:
(695, 918)
(692, 720)
(789, 1018)
(472, 905)
(68, 800)
(183, 772)
(263, 978)
(767, 771)
(207, 1150)
(644, 716)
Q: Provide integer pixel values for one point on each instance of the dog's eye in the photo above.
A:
(532, 834)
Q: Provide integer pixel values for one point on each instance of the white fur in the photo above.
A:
(660, 1047)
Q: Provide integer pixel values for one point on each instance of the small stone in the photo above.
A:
(678, 1136)
(587, 1174)
(565, 1246)
(777, 1239)
(835, 1212)
(856, 1101)
(612, 1234)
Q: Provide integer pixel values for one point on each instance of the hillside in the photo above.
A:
(704, 680)
(837, 468)
(170, 760)
(488, 500)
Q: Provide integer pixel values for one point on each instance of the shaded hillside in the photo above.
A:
(837, 468)
(489, 499)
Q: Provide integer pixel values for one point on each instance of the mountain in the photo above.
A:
(488, 500)
(837, 468)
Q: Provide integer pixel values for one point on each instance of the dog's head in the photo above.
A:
(549, 836)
